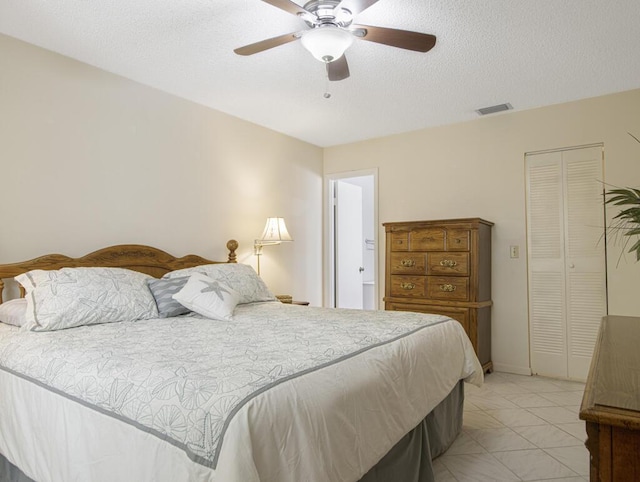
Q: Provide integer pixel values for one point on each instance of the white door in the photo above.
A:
(348, 245)
(567, 267)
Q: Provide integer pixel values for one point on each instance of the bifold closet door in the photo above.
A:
(566, 254)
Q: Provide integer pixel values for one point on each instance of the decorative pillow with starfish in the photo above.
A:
(208, 297)
(240, 277)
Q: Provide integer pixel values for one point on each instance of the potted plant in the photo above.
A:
(626, 224)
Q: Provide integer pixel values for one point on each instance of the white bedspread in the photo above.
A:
(143, 414)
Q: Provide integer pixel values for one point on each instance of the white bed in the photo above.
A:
(276, 393)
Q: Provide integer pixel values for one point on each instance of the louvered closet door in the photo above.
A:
(585, 255)
(567, 271)
(547, 299)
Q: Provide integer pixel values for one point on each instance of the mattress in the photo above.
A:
(281, 393)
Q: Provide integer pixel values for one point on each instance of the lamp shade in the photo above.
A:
(327, 43)
(275, 231)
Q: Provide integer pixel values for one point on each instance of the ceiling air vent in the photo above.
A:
(494, 108)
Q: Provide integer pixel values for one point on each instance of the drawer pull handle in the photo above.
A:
(408, 263)
(407, 286)
(447, 287)
(450, 263)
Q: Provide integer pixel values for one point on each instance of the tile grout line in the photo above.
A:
(495, 391)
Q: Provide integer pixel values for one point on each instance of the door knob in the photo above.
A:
(571, 265)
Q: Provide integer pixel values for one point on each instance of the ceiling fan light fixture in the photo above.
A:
(327, 43)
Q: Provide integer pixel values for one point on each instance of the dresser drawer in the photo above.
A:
(427, 239)
(448, 264)
(448, 288)
(400, 241)
(408, 263)
(459, 314)
(408, 286)
(458, 239)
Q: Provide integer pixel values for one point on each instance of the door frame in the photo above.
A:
(329, 233)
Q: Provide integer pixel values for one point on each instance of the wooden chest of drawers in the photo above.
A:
(443, 267)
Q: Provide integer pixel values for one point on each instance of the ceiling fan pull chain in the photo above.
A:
(327, 94)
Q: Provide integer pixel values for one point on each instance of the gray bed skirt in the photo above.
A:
(409, 460)
(11, 473)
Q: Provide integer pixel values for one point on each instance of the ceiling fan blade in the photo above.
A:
(356, 6)
(287, 6)
(267, 44)
(338, 69)
(404, 39)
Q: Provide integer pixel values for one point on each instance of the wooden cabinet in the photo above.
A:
(611, 402)
(443, 267)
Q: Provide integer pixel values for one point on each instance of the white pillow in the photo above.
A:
(71, 297)
(208, 297)
(240, 277)
(14, 312)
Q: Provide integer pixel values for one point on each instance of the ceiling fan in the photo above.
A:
(332, 33)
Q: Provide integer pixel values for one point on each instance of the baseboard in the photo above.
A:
(515, 369)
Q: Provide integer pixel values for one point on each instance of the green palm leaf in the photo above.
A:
(627, 221)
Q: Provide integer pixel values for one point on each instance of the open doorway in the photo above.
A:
(351, 240)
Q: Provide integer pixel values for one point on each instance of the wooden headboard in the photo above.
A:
(145, 259)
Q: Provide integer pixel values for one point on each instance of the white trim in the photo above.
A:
(564, 149)
(515, 369)
(328, 269)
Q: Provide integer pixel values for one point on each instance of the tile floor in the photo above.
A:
(518, 428)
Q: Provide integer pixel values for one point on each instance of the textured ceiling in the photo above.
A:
(529, 53)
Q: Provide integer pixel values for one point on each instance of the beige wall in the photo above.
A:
(89, 159)
(476, 169)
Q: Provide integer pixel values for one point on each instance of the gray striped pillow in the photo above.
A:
(163, 290)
